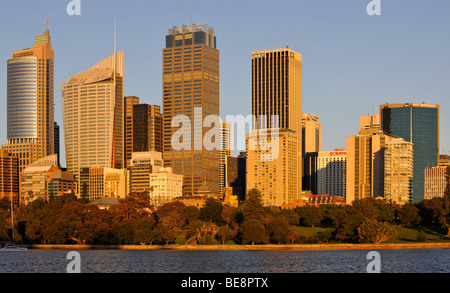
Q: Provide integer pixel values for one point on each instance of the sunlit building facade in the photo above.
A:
(93, 113)
(30, 102)
(191, 88)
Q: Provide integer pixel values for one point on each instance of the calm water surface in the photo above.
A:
(161, 261)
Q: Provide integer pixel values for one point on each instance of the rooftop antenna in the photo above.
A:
(47, 21)
(191, 16)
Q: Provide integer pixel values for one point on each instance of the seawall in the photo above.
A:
(293, 247)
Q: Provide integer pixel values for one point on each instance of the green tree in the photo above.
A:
(374, 231)
(252, 207)
(409, 214)
(143, 231)
(253, 231)
(279, 229)
(190, 214)
(292, 216)
(309, 215)
(224, 233)
(212, 211)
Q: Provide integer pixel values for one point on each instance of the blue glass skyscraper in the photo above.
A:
(419, 124)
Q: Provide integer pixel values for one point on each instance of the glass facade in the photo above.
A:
(419, 125)
(22, 99)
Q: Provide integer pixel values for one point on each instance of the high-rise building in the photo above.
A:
(311, 134)
(276, 106)
(30, 94)
(9, 176)
(142, 164)
(235, 175)
(272, 167)
(419, 124)
(225, 151)
(57, 143)
(398, 171)
(147, 128)
(191, 89)
(130, 101)
(332, 173)
(365, 164)
(435, 182)
(93, 113)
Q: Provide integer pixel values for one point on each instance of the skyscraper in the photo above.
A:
(398, 171)
(311, 134)
(129, 102)
(147, 128)
(225, 152)
(276, 93)
(191, 88)
(365, 164)
(419, 124)
(30, 105)
(93, 113)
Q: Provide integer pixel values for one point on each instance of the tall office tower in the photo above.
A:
(419, 124)
(369, 121)
(398, 171)
(235, 175)
(332, 173)
(276, 93)
(365, 164)
(147, 128)
(30, 103)
(225, 151)
(57, 143)
(191, 88)
(93, 105)
(311, 134)
(9, 176)
(130, 101)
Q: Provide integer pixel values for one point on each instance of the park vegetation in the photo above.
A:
(68, 220)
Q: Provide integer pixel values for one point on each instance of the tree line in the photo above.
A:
(68, 220)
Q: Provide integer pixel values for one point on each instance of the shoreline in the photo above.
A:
(267, 247)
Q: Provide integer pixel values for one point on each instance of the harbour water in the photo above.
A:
(236, 261)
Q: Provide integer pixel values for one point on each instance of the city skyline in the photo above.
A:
(366, 81)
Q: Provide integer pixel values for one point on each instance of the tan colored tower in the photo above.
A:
(191, 88)
(130, 101)
(277, 93)
(398, 171)
(311, 134)
(9, 176)
(276, 177)
(365, 164)
(93, 112)
(225, 151)
(30, 102)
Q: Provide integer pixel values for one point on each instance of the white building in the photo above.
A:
(107, 182)
(165, 186)
(332, 172)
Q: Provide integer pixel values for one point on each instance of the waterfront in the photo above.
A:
(227, 261)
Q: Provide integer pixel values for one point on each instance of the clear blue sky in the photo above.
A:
(352, 62)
